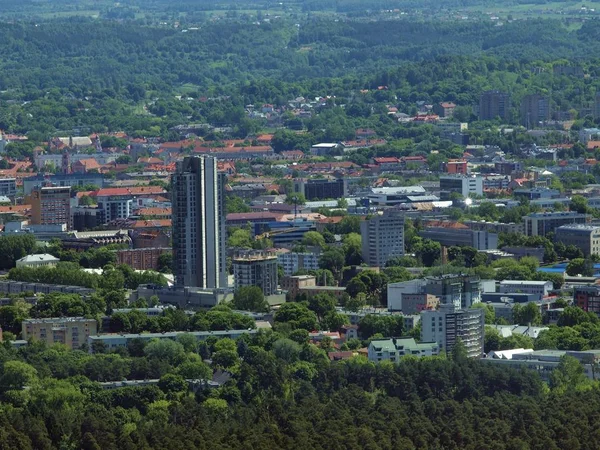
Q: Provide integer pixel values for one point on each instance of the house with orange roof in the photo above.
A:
(85, 165)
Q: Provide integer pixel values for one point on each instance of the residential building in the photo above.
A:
(141, 258)
(587, 298)
(114, 203)
(382, 237)
(256, 268)
(321, 188)
(72, 332)
(113, 341)
(18, 287)
(494, 105)
(444, 109)
(540, 289)
(584, 237)
(540, 224)
(395, 348)
(461, 184)
(8, 187)
(448, 324)
(456, 166)
(535, 108)
(86, 217)
(450, 234)
(51, 205)
(40, 260)
(508, 167)
(292, 262)
(497, 182)
(199, 257)
(71, 179)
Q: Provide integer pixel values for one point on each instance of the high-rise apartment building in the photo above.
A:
(199, 223)
(382, 237)
(535, 108)
(494, 104)
(448, 324)
(51, 205)
(256, 268)
(70, 331)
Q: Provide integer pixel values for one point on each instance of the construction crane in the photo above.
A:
(268, 234)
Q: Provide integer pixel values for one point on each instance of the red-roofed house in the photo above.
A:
(85, 165)
(387, 163)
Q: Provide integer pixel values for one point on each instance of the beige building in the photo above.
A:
(584, 237)
(51, 205)
(70, 331)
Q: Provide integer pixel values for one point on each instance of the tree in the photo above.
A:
(578, 204)
(165, 350)
(527, 315)
(322, 304)
(16, 375)
(490, 312)
(295, 198)
(250, 298)
(356, 286)
(580, 266)
(428, 252)
(569, 375)
(314, 239)
(459, 351)
(287, 349)
(189, 342)
(572, 316)
(195, 370)
(240, 238)
(332, 259)
(165, 262)
(296, 315)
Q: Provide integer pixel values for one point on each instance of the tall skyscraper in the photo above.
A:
(199, 224)
(535, 108)
(494, 104)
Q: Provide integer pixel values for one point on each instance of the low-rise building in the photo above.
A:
(545, 361)
(464, 185)
(113, 341)
(70, 331)
(450, 234)
(38, 261)
(396, 348)
(539, 288)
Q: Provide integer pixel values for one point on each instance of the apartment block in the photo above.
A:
(494, 105)
(394, 349)
(256, 268)
(70, 331)
(448, 324)
(292, 262)
(51, 205)
(382, 237)
(141, 258)
(587, 298)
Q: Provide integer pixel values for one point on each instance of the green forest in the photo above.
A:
(285, 393)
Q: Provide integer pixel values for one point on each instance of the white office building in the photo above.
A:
(382, 237)
(539, 288)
